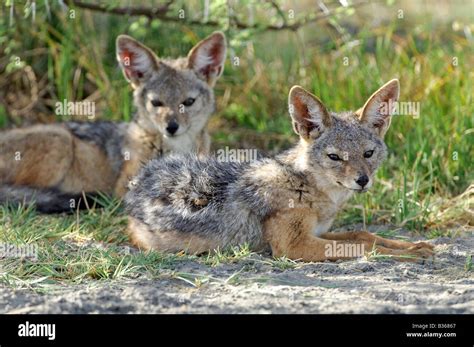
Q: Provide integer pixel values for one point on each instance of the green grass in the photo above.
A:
(468, 264)
(74, 249)
(419, 187)
(91, 246)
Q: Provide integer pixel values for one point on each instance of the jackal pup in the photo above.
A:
(53, 164)
(182, 203)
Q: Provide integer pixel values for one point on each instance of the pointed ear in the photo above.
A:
(136, 60)
(378, 110)
(208, 56)
(310, 117)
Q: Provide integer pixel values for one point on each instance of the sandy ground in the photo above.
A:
(254, 286)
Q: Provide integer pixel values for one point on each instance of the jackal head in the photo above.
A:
(343, 149)
(173, 96)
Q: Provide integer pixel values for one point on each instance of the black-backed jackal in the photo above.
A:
(286, 203)
(54, 164)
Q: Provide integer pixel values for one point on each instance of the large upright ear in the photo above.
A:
(378, 110)
(136, 60)
(208, 56)
(309, 115)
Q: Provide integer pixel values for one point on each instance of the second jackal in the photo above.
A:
(53, 165)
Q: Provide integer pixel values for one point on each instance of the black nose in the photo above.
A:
(172, 127)
(362, 181)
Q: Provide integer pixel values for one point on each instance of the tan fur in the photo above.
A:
(300, 232)
(169, 241)
(46, 156)
(142, 147)
(49, 156)
(289, 234)
(89, 170)
(39, 155)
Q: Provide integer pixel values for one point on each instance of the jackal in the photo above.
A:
(286, 204)
(54, 164)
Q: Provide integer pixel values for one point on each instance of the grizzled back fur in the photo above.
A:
(204, 196)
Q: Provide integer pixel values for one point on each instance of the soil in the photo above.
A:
(254, 285)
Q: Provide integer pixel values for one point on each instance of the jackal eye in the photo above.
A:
(368, 154)
(156, 103)
(334, 157)
(188, 102)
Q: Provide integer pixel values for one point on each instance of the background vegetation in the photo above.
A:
(340, 50)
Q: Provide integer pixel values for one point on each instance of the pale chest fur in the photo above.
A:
(195, 140)
(336, 198)
(184, 143)
(139, 147)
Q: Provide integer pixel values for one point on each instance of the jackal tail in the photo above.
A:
(47, 200)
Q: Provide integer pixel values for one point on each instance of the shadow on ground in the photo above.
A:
(255, 285)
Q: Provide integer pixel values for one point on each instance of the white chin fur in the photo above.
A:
(354, 186)
(166, 135)
(183, 143)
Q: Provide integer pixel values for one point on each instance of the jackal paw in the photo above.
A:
(424, 245)
(418, 252)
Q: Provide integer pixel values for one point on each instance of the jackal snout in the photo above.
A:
(362, 180)
(171, 122)
(172, 127)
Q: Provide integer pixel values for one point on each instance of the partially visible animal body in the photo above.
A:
(54, 165)
(286, 203)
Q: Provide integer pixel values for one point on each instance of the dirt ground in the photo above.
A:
(253, 285)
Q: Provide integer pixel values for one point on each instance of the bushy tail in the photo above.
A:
(46, 200)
